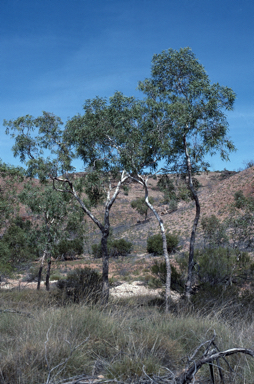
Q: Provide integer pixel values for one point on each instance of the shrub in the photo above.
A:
(240, 200)
(173, 205)
(166, 185)
(159, 269)
(69, 248)
(116, 248)
(155, 244)
(81, 285)
(222, 265)
(120, 247)
(17, 245)
(214, 231)
(55, 276)
(140, 205)
(126, 190)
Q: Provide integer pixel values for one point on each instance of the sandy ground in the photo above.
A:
(123, 290)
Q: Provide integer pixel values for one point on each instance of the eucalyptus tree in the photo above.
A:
(53, 214)
(48, 150)
(135, 138)
(194, 113)
(10, 177)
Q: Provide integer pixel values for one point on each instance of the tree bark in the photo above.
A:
(104, 228)
(105, 261)
(40, 270)
(142, 181)
(39, 277)
(188, 285)
(48, 274)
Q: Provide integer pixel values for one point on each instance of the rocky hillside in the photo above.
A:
(216, 195)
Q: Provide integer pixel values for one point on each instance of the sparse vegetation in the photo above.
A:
(77, 328)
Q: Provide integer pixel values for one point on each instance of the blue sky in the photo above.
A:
(56, 54)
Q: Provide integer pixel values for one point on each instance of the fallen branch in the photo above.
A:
(188, 375)
(17, 312)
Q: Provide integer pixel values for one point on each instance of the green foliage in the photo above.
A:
(81, 285)
(94, 188)
(126, 190)
(214, 231)
(69, 248)
(175, 189)
(155, 244)
(222, 265)
(172, 205)
(240, 200)
(159, 269)
(140, 205)
(9, 207)
(60, 221)
(241, 222)
(166, 183)
(183, 191)
(191, 107)
(17, 245)
(120, 247)
(116, 248)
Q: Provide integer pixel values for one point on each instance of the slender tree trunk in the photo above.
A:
(105, 261)
(164, 242)
(48, 274)
(168, 269)
(188, 285)
(103, 228)
(39, 278)
(40, 270)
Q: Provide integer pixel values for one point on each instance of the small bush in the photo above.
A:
(69, 248)
(55, 276)
(140, 205)
(126, 190)
(222, 265)
(240, 200)
(81, 285)
(116, 248)
(120, 247)
(172, 205)
(214, 232)
(155, 244)
(159, 269)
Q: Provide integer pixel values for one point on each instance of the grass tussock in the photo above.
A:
(118, 341)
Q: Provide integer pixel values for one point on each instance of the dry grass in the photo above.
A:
(121, 339)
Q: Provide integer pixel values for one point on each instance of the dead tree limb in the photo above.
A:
(17, 312)
(188, 375)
